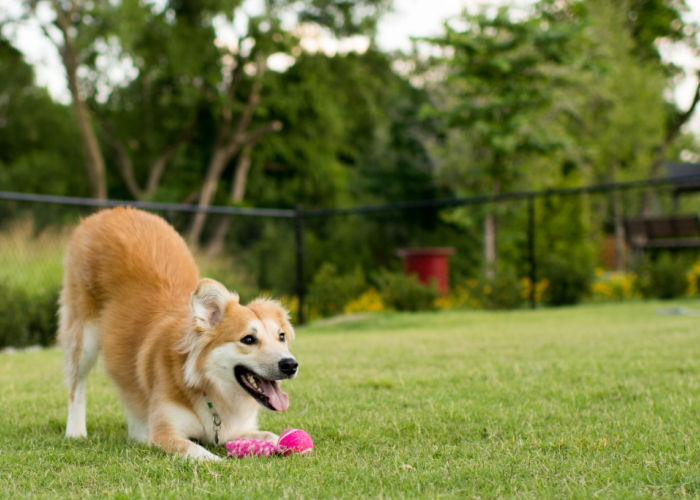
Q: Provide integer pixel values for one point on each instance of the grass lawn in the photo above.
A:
(598, 400)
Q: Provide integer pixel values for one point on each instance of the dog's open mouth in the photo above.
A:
(266, 392)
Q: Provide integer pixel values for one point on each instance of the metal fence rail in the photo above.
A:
(298, 215)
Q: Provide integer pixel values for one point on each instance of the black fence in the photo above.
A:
(296, 223)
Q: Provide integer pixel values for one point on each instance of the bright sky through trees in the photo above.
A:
(411, 18)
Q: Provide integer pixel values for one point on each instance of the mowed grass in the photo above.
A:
(598, 400)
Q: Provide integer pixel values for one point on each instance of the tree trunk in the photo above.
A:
(223, 153)
(618, 226)
(619, 232)
(490, 245)
(216, 244)
(157, 168)
(216, 167)
(94, 162)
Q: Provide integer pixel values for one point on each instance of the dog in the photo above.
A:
(189, 361)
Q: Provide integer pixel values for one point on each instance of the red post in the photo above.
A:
(428, 264)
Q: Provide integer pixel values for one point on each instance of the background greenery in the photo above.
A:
(562, 94)
(559, 95)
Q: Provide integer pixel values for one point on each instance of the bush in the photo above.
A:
(330, 291)
(369, 301)
(27, 319)
(663, 277)
(504, 291)
(614, 285)
(405, 293)
(568, 277)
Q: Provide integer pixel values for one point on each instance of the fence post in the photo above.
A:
(531, 249)
(300, 254)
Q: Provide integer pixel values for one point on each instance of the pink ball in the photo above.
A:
(295, 441)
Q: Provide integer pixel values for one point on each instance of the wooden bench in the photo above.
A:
(664, 231)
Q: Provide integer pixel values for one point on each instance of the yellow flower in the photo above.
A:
(369, 301)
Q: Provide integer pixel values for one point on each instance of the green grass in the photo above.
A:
(599, 400)
(31, 260)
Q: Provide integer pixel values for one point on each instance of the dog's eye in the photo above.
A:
(283, 337)
(249, 340)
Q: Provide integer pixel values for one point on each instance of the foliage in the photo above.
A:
(526, 289)
(369, 301)
(38, 137)
(693, 276)
(31, 260)
(614, 285)
(500, 74)
(329, 290)
(229, 271)
(405, 293)
(569, 278)
(459, 297)
(502, 291)
(564, 248)
(663, 276)
(27, 319)
(563, 94)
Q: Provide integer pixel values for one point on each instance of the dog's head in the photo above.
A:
(238, 347)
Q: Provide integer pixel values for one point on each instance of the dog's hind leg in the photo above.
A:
(80, 342)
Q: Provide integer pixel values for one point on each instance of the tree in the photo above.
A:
(238, 100)
(179, 59)
(499, 75)
(73, 48)
(37, 135)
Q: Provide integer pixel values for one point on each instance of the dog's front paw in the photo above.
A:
(261, 435)
(196, 452)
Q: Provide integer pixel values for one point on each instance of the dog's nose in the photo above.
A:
(288, 366)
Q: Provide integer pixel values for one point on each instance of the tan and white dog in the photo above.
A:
(189, 361)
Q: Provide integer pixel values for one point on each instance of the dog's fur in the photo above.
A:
(170, 341)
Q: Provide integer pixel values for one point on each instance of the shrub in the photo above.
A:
(369, 301)
(330, 291)
(693, 276)
(405, 293)
(460, 297)
(503, 291)
(613, 285)
(663, 277)
(569, 278)
(526, 289)
(27, 319)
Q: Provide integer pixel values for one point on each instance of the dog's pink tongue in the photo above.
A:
(278, 400)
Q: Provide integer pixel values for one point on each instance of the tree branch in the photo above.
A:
(158, 166)
(260, 132)
(126, 165)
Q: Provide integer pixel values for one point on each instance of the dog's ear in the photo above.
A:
(208, 302)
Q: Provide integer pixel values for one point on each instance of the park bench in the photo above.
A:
(663, 232)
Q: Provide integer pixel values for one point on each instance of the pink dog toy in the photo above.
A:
(290, 441)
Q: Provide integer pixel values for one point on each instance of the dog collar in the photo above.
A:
(216, 419)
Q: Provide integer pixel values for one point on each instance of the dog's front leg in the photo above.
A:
(169, 429)
(170, 442)
(262, 435)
